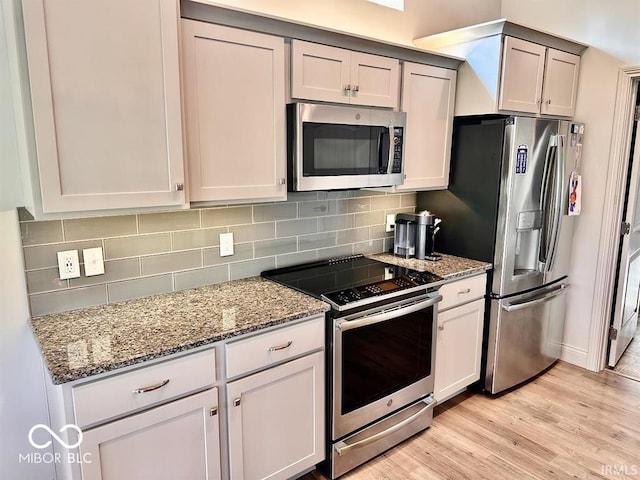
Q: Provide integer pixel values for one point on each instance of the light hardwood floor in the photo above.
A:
(568, 423)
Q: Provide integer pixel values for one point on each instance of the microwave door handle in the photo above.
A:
(345, 325)
(392, 142)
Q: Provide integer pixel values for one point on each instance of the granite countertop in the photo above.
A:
(448, 267)
(86, 342)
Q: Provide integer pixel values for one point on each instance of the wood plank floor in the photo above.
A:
(567, 423)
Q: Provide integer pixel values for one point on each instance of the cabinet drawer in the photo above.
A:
(462, 291)
(115, 396)
(268, 348)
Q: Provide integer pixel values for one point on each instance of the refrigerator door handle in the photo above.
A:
(559, 290)
(558, 203)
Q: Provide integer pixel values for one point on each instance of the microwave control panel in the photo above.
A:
(397, 149)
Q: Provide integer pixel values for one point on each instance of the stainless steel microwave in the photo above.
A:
(333, 147)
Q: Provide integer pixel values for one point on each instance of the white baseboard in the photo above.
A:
(573, 355)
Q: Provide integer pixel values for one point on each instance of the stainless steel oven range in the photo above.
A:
(380, 352)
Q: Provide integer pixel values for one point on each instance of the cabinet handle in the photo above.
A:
(179, 187)
(466, 290)
(347, 88)
(280, 347)
(282, 181)
(548, 102)
(441, 327)
(356, 88)
(236, 402)
(151, 388)
(213, 411)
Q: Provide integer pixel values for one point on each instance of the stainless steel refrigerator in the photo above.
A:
(507, 203)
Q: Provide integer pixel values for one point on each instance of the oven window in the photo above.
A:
(380, 359)
(330, 149)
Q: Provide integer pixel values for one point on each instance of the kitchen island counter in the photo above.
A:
(81, 343)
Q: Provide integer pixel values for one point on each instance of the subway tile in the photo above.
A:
(333, 252)
(386, 202)
(378, 231)
(45, 281)
(359, 204)
(275, 211)
(367, 193)
(408, 200)
(322, 208)
(301, 196)
(45, 256)
(114, 270)
(137, 245)
(37, 233)
(168, 221)
(242, 251)
(352, 235)
(296, 258)
(372, 246)
(171, 262)
(139, 287)
(279, 246)
(369, 218)
(288, 228)
(388, 244)
(99, 227)
(256, 231)
(65, 300)
(337, 222)
(251, 268)
(400, 210)
(335, 194)
(201, 276)
(220, 217)
(316, 240)
(200, 238)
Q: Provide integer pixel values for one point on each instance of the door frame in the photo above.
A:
(606, 268)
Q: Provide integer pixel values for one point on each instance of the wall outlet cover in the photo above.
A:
(390, 222)
(226, 244)
(68, 264)
(93, 261)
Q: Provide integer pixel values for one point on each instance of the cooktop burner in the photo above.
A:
(348, 281)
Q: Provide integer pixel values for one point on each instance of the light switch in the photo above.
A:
(93, 261)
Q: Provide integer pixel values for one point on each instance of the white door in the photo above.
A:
(428, 95)
(233, 82)
(106, 105)
(560, 85)
(625, 318)
(276, 420)
(178, 440)
(522, 73)
(375, 80)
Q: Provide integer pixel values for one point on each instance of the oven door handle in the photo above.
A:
(343, 447)
(345, 325)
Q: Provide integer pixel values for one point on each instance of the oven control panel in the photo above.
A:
(361, 292)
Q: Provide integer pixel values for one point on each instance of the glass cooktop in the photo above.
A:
(347, 280)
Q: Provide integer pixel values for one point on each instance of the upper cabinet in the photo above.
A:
(330, 74)
(105, 90)
(510, 68)
(234, 95)
(428, 95)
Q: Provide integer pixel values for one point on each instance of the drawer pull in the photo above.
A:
(236, 402)
(213, 411)
(466, 290)
(280, 347)
(151, 388)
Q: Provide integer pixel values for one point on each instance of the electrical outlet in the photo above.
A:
(226, 244)
(93, 261)
(68, 264)
(390, 224)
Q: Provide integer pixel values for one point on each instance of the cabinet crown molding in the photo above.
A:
(498, 27)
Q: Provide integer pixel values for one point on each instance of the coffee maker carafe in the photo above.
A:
(414, 235)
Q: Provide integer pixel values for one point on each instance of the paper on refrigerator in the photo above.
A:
(575, 193)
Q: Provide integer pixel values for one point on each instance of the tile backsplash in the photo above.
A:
(151, 253)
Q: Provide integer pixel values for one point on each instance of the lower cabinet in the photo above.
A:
(276, 420)
(178, 440)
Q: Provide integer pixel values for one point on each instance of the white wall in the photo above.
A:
(613, 33)
(419, 18)
(22, 394)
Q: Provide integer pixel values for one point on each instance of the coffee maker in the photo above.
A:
(414, 235)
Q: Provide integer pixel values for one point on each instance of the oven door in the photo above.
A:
(382, 361)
